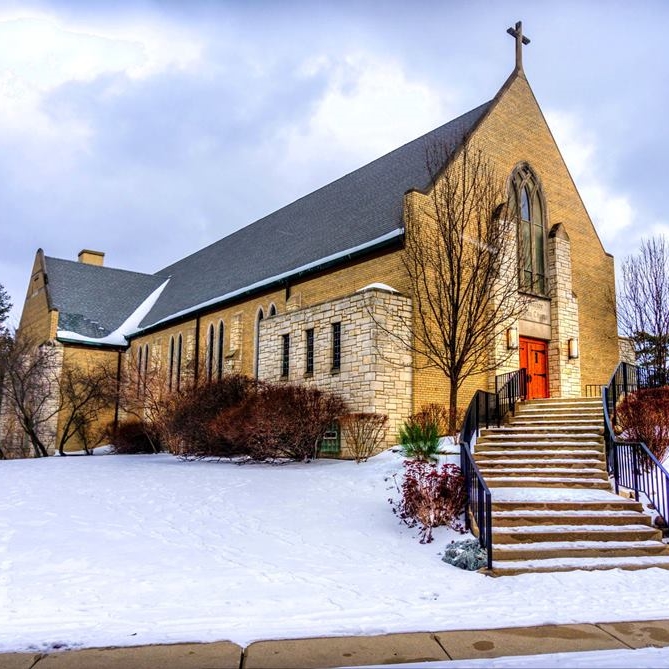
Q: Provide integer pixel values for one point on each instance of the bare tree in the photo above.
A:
(85, 393)
(144, 397)
(39, 392)
(30, 381)
(643, 306)
(461, 262)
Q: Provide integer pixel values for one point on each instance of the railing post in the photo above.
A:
(481, 516)
(488, 527)
(616, 470)
(635, 471)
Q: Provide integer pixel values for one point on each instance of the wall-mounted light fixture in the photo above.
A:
(512, 338)
(573, 348)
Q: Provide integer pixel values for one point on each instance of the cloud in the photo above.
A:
(611, 211)
(368, 107)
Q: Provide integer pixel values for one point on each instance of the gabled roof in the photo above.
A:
(349, 214)
(360, 211)
(94, 301)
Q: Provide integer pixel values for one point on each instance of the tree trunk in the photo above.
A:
(452, 407)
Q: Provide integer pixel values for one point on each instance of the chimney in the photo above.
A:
(92, 257)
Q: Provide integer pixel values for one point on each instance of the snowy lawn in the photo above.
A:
(126, 550)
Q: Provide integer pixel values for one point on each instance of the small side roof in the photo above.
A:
(354, 212)
(94, 301)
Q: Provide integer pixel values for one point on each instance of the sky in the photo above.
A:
(148, 130)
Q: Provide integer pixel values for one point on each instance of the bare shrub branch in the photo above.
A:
(363, 433)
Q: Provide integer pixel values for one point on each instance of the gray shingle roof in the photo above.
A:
(352, 211)
(94, 301)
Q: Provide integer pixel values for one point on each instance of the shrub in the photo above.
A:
(419, 438)
(431, 497)
(363, 433)
(263, 421)
(132, 437)
(289, 421)
(644, 416)
(199, 420)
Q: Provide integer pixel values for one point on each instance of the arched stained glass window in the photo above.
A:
(177, 362)
(209, 363)
(529, 212)
(170, 363)
(219, 351)
(259, 318)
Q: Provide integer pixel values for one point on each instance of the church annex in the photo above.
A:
(309, 292)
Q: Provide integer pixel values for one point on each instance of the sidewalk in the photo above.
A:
(386, 649)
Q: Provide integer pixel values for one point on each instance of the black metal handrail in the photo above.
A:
(631, 463)
(486, 409)
(478, 504)
(510, 388)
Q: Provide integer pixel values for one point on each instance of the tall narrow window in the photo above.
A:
(177, 362)
(256, 364)
(139, 369)
(285, 355)
(336, 347)
(209, 362)
(530, 219)
(309, 362)
(219, 351)
(146, 367)
(170, 363)
(272, 310)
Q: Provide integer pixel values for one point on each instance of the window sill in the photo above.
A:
(335, 370)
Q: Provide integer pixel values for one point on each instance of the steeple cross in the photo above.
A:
(517, 33)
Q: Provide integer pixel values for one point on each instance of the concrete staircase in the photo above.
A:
(553, 508)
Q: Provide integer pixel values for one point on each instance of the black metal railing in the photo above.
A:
(478, 505)
(485, 410)
(510, 388)
(630, 463)
(593, 389)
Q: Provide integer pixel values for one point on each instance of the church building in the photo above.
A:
(312, 293)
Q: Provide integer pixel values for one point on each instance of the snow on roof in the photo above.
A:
(378, 286)
(119, 336)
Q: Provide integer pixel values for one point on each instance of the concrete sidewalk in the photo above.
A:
(327, 652)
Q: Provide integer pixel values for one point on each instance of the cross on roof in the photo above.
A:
(517, 33)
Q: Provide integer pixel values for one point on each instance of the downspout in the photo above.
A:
(118, 390)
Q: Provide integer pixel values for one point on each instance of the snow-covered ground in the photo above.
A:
(127, 550)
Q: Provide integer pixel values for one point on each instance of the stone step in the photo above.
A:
(616, 503)
(567, 412)
(524, 434)
(561, 401)
(540, 454)
(498, 445)
(592, 563)
(546, 482)
(539, 463)
(592, 431)
(545, 472)
(549, 421)
(541, 550)
(527, 517)
(573, 533)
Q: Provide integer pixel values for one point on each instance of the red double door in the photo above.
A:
(534, 359)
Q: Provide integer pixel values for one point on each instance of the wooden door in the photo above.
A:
(534, 359)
